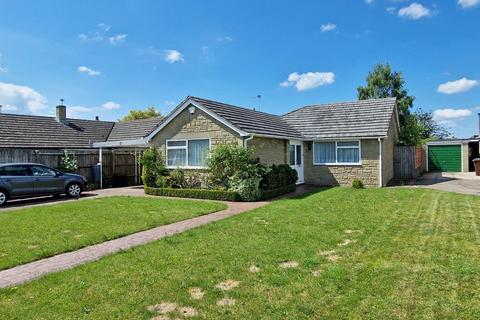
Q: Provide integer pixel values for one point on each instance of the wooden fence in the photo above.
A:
(120, 166)
(409, 162)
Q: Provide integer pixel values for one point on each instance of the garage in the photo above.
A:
(445, 158)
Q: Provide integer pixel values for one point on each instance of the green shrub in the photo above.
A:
(193, 180)
(246, 187)
(222, 195)
(177, 178)
(68, 162)
(153, 167)
(268, 194)
(161, 182)
(233, 168)
(277, 176)
(357, 184)
(226, 161)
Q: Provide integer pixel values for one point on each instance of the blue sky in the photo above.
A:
(106, 57)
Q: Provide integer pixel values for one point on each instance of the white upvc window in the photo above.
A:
(192, 153)
(342, 152)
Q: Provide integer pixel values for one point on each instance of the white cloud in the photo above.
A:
(172, 56)
(110, 105)
(414, 11)
(457, 86)
(16, 96)
(309, 80)
(328, 27)
(368, 1)
(8, 107)
(449, 117)
(225, 38)
(3, 69)
(116, 39)
(169, 103)
(466, 4)
(77, 111)
(104, 27)
(87, 70)
(391, 10)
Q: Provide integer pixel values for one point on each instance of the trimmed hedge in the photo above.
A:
(222, 195)
(268, 194)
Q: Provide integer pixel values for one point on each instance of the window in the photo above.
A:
(292, 155)
(40, 171)
(187, 153)
(16, 171)
(336, 152)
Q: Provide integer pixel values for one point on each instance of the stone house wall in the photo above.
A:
(388, 146)
(342, 175)
(195, 126)
(269, 150)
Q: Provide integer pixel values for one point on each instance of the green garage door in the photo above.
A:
(445, 158)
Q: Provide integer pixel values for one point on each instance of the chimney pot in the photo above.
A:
(97, 118)
(61, 115)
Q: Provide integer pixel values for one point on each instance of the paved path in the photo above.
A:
(36, 269)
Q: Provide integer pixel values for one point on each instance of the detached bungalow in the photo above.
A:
(328, 144)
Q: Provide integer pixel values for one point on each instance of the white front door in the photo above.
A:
(296, 158)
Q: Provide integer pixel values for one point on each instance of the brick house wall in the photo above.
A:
(342, 175)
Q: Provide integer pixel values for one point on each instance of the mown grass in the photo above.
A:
(416, 256)
(30, 234)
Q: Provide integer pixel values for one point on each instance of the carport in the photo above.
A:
(133, 147)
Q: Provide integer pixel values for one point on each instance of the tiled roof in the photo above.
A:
(132, 130)
(250, 120)
(45, 132)
(364, 118)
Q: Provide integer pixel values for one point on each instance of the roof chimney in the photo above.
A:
(479, 124)
(97, 118)
(61, 112)
(2, 106)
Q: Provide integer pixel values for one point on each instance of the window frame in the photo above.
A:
(187, 166)
(336, 163)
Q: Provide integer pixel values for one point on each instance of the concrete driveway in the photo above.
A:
(465, 182)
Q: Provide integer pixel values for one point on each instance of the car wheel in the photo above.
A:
(74, 190)
(3, 197)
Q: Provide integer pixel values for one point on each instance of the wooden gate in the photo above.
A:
(409, 162)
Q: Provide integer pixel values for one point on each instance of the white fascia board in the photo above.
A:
(182, 107)
(122, 143)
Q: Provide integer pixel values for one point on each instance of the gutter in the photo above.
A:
(245, 141)
(380, 163)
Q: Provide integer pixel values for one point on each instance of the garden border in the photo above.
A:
(222, 195)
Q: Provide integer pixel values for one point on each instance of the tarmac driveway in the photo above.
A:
(48, 200)
(465, 182)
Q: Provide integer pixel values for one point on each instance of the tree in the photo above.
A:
(419, 127)
(148, 113)
(382, 82)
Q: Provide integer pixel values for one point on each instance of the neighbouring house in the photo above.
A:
(27, 138)
(328, 144)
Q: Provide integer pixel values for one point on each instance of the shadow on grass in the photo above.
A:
(303, 191)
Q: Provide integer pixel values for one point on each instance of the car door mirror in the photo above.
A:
(58, 173)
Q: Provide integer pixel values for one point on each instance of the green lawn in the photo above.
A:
(410, 254)
(30, 234)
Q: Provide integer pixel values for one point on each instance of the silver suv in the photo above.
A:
(23, 180)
